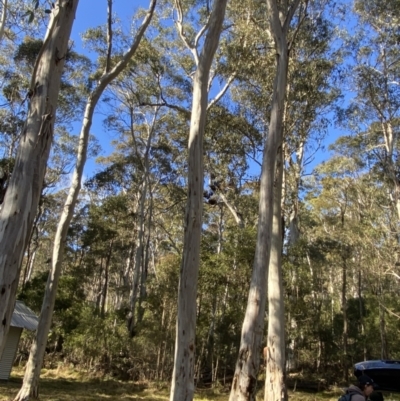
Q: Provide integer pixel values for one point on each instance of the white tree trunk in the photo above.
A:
(32, 373)
(247, 365)
(3, 18)
(140, 248)
(275, 384)
(294, 233)
(182, 387)
(25, 186)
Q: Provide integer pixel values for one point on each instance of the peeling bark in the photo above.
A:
(23, 193)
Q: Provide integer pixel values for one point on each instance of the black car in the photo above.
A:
(386, 374)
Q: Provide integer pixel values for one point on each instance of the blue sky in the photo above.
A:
(92, 13)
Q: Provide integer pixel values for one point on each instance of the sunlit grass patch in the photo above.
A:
(73, 385)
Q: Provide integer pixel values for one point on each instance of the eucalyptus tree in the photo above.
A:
(245, 378)
(23, 192)
(350, 213)
(372, 117)
(375, 79)
(344, 251)
(145, 169)
(32, 373)
(3, 18)
(313, 85)
(18, 60)
(311, 99)
(201, 82)
(229, 215)
(182, 387)
(70, 107)
(56, 179)
(378, 219)
(151, 137)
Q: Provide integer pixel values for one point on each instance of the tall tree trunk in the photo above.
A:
(207, 348)
(247, 365)
(361, 310)
(104, 287)
(137, 272)
(29, 268)
(382, 326)
(32, 373)
(162, 343)
(140, 268)
(345, 322)
(3, 18)
(99, 288)
(182, 387)
(275, 382)
(294, 233)
(145, 271)
(25, 186)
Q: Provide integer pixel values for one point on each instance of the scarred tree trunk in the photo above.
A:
(25, 186)
(182, 387)
(247, 365)
(32, 373)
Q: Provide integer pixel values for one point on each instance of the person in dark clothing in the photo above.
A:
(362, 389)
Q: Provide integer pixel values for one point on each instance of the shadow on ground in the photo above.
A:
(60, 389)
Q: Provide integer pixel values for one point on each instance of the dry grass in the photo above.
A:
(72, 385)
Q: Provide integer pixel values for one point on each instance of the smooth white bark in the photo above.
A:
(140, 265)
(182, 387)
(25, 186)
(275, 385)
(3, 18)
(247, 365)
(32, 373)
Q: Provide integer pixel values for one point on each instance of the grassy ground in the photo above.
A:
(74, 386)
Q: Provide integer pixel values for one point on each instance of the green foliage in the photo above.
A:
(69, 301)
(28, 50)
(128, 228)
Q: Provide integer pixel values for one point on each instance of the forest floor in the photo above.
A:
(75, 386)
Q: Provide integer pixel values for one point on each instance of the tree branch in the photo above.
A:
(201, 33)
(299, 24)
(275, 23)
(289, 15)
(179, 25)
(235, 215)
(222, 92)
(3, 19)
(109, 35)
(108, 77)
